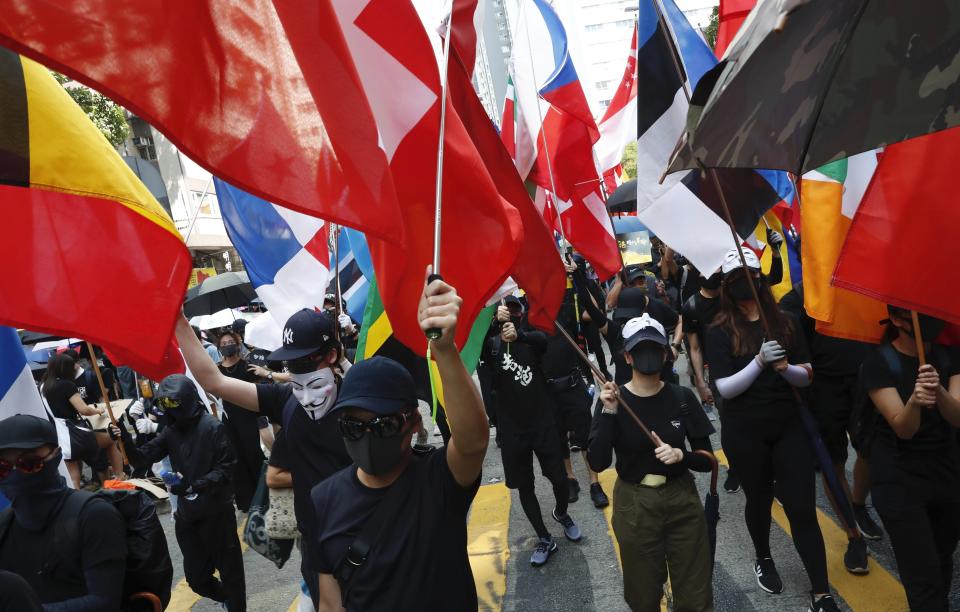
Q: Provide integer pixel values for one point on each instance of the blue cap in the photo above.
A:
(379, 385)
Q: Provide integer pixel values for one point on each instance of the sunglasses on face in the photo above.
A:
(353, 428)
(25, 464)
(168, 403)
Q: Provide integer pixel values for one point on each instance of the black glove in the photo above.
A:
(181, 488)
(201, 485)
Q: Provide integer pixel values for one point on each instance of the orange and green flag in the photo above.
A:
(91, 252)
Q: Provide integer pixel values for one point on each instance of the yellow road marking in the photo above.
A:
(182, 598)
(295, 605)
(878, 590)
(488, 546)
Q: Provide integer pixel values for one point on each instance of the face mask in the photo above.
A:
(229, 350)
(648, 358)
(185, 423)
(712, 282)
(316, 391)
(375, 455)
(739, 289)
(35, 497)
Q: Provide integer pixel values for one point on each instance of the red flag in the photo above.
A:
(732, 14)
(262, 94)
(899, 248)
(589, 229)
(618, 127)
(481, 233)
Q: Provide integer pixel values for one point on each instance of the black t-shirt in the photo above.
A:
(663, 414)
(28, 553)
(420, 562)
(279, 456)
(243, 420)
(85, 387)
(769, 396)
(836, 357)
(315, 448)
(935, 433)
(523, 403)
(58, 396)
(622, 370)
(559, 359)
(662, 312)
(699, 312)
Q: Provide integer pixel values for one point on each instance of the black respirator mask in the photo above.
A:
(712, 282)
(648, 358)
(739, 288)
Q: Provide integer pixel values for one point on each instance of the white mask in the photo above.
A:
(316, 391)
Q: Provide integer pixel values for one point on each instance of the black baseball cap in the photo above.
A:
(512, 300)
(25, 431)
(631, 303)
(633, 272)
(380, 385)
(305, 333)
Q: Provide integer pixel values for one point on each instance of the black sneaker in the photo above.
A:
(732, 483)
(824, 604)
(865, 523)
(767, 576)
(573, 490)
(855, 559)
(600, 499)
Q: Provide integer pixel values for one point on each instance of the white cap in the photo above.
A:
(642, 328)
(731, 260)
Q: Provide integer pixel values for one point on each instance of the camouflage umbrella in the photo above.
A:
(808, 82)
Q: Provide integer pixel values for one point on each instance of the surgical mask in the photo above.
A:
(375, 455)
(316, 391)
(229, 350)
(740, 290)
(648, 358)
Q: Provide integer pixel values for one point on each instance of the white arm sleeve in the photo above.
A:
(735, 384)
(798, 376)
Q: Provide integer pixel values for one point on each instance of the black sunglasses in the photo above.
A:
(389, 426)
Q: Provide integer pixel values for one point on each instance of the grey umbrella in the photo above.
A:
(808, 82)
(228, 290)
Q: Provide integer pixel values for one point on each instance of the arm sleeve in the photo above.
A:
(776, 271)
(735, 384)
(224, 460)
(600, 450)
(695, 462)
(104, 590)
(147, 454)
(797, 376)
(533, 337)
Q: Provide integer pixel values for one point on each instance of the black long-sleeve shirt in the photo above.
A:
(662, 413)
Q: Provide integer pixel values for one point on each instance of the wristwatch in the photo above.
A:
(270, 376)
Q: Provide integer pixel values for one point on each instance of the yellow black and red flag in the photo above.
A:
(90, 252)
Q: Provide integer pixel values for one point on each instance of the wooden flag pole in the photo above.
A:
(918, 337)
(106, 400)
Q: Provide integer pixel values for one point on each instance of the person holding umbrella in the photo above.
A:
(658, 519)
(762, 432)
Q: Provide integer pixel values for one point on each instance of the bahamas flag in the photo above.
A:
(91, 253)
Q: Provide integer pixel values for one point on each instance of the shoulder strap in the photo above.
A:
(892, 360)
(358, 552)
(66, 533)
(678, 393)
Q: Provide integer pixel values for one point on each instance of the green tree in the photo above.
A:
(104, 112)
(629, 161)
(710, 32)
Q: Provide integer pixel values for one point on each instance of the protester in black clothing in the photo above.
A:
(316, 448)
(16, 594)
(525, 423)
(657, 515)
(65, 403)
(349, 329)
(563, 371)
(832, 397)
(417, 556)
(31, 480)
(241, 425)
(762, 433)
(914, 460)
(206, 526)
(634, 302)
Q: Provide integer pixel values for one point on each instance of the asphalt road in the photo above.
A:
(585, 576)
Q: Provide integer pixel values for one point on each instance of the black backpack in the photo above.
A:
(864, 416)
(149, 568)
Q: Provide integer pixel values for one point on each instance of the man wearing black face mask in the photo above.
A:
(699, 310)
(391, 529)
(313, 442)
(200, 451)
(31, 480)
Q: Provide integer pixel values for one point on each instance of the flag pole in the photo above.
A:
(846, 510)
(336, 278)
(918, 338)
(432, 333)
(564, 243)
(106, 399)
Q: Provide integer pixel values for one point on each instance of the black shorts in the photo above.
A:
(572, 415)
(517, 450)
(83, 442)
(831, 401)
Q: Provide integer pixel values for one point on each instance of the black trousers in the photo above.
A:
(917, 496)
(768, 449)
(212, 544)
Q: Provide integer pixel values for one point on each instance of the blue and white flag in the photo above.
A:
(355, 268)
(286, 253)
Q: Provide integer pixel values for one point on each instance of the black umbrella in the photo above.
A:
(811, 81)
(32, 337)
(711, 505)
(228, 290)
(624, 199)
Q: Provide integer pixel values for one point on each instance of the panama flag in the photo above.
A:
(285, 252)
